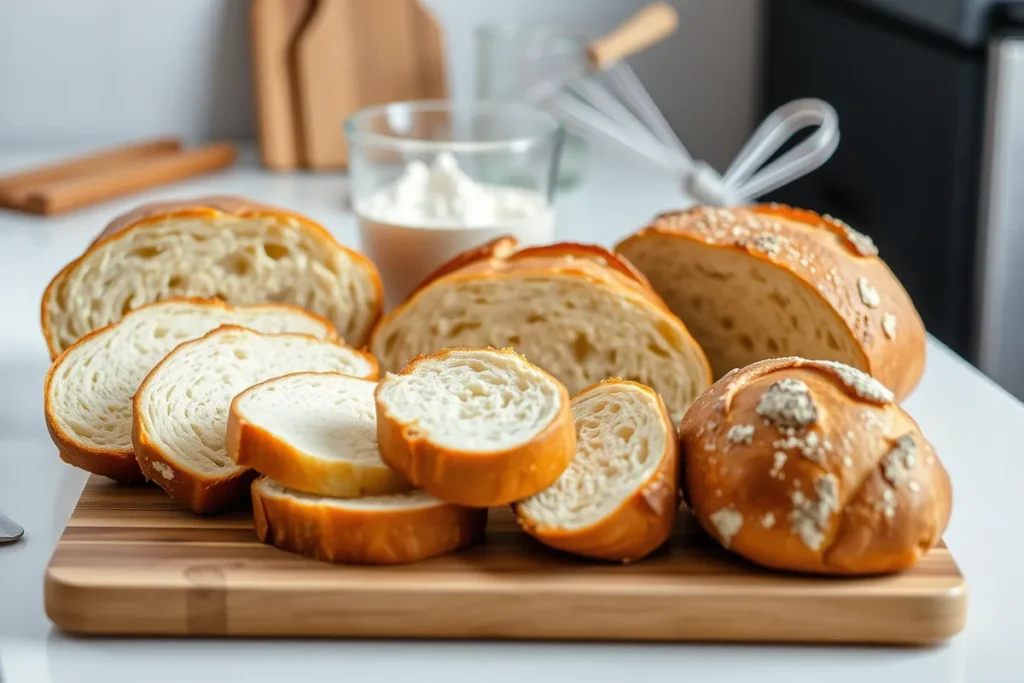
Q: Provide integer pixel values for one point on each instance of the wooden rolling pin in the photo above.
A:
(91, 184)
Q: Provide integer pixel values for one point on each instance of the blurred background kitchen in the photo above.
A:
(929, 96)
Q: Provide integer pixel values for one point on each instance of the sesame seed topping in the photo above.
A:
(900, 460)
(740, 434)
(727, 523)
(862, 384)
(847, 461)
(710, 446)
(768, 521)
(777, 465)
(889, 325)
(811, 446)
(769, 243)
(868, 294)
(788, 403)
(810, 518)
(914, 487)
(861, 242)
(887, 505)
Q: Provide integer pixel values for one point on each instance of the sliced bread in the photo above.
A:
(618, 498)
(224, 247)
(314, 432)
(88, 390)
(578, 311)
(475, 427)
(180, 411)
(390, 529)
(768, 281)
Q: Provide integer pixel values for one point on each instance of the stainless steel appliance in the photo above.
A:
(930, 96)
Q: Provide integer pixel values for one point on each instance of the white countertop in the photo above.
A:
(970, 420)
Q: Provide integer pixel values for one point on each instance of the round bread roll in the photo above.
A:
(811, 466)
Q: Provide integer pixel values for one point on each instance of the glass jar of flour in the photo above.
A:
(432, 179)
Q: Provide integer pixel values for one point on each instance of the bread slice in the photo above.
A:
(223, 247)
(180, 412)
(475, 427)
(769, 281)
(390, 529)
(577, 311)
(313, 432)
(619, 497)
(88, 390)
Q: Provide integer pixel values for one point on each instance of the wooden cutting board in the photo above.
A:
(131, 562)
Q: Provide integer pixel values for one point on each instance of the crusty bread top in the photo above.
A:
(839, 263)
(473, 400)
(623, 433)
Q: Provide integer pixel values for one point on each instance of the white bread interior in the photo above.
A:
(247, 260)
(473, 400)
(90, 388)
(620, 441)
(327, 417)
(183, 404)
(580, 331)
(742, 309)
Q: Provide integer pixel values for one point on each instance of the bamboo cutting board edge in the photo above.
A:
(211, 577)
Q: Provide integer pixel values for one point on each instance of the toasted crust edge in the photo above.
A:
(257, 448)
(334, 534)
(196, 209)
(199, 493)
(643, 520)
(472, 478)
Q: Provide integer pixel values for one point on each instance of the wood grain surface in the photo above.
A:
(131, 562)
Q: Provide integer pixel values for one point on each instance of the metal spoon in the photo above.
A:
(9, 530)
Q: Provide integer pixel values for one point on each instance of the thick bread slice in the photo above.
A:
(314, 432)
(88, 389)
(577, 311)
(223, 247)
(768, 281)
(391, 529)
(475, 427)
(618, 498)
(181, 410)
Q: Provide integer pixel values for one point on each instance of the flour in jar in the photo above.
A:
(433, 212)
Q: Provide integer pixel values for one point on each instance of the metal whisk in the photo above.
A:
(598, 95)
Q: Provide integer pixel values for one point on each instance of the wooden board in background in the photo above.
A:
(131, 562)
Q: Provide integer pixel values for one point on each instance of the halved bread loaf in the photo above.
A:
(180, 412)
(223, 247)
(575, 310)
(391, 529)
(475, 427)
(314, 432)
(619, 496)
(768, 281)
(88, 389)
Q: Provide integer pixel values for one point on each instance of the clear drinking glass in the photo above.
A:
(504, 147)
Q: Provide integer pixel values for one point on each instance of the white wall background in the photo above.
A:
(106, 70)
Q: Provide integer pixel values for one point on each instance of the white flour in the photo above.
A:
(442, 194)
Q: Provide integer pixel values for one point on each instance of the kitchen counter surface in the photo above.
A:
(970, 420)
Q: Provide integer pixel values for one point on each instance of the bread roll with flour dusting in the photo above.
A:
(811, 466)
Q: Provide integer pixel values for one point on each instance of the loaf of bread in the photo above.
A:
(475, 427)
(213, 247)
(811, 466)
(770, 281)
(314, 432)
(180, 411)
(390, 529)
(618, 498)
(88, 390)
(577, 311)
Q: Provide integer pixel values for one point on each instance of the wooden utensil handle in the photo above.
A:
(132, 176)
(14, 188)
(643, 29)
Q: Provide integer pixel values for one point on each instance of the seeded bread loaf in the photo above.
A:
(577, 311)
(390, 529)
(475, 427)
(212, 247)
(769, 281)
(618, 498)
(811, 466)
(314, 432)
(180, 411)
(88, 389)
